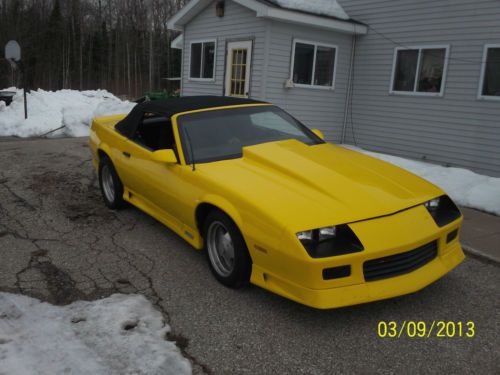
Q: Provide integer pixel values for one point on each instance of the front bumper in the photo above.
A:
(366, 292)
(299, 277)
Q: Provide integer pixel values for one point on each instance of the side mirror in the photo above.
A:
(165, 156)
(319, 133)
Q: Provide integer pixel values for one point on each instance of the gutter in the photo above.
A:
(285, 15)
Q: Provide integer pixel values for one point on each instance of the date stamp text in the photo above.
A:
(423, 329)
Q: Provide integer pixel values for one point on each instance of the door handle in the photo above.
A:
(126, 154)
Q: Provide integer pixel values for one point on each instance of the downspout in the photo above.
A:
(263, 88)
(349, 89)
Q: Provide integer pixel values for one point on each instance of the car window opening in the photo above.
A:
(155, 133)
(222, 134)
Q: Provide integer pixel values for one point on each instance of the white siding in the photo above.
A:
(457, 129)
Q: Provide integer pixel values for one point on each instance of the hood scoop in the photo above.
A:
(289, 158)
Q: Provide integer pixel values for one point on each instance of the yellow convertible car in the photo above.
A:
(275, 205)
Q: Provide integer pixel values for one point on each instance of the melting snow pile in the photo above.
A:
(122, 334)
(49, 110)
(322, 7)
(465, 187)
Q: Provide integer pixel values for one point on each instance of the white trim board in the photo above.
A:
(178, 20)
(178, 43)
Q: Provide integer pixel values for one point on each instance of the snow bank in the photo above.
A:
(122, 334)
(322, 7)
(49, 110)
(465, 187)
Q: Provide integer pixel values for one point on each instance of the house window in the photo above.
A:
(202, 65)
(419, 70)
(313, 64)
(489, 87)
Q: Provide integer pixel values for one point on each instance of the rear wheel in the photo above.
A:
(226, 250)
(111, 186)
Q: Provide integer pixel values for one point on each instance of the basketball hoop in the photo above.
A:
(13, 56)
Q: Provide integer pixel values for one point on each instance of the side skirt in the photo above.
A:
(185, 232)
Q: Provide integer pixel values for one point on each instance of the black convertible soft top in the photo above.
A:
(172, 106)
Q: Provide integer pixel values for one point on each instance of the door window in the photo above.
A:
(155, 133)
(238, 72)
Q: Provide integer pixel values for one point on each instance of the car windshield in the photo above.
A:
(221, 134)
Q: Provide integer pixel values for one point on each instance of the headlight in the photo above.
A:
(321, 234)
(330, 241)
(432, 204)
(305, 236)
(326, 233)
(442, 210)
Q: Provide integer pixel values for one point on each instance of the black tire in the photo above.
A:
(113, 198)
(242, 266)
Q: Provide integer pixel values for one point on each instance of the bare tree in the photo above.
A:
(119, 45)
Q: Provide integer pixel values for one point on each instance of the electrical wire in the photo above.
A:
(353, 133)
(449, 58)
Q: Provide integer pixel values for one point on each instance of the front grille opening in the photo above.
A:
(399, 264)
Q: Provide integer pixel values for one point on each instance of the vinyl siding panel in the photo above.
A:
(238, 23)
(457, 129)
(317, 108)
(272, 48)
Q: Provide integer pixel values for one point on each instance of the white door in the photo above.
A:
(238, 60)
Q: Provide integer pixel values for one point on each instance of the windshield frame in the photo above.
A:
(182, 137)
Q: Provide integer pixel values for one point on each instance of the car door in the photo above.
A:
(158, 186)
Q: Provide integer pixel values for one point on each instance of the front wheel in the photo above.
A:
(111, 186)
(226, 250)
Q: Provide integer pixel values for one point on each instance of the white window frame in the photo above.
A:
(480, 95)
(201, 79)
(316, 45)
(446, 47)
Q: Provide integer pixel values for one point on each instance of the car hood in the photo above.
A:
(305, 187)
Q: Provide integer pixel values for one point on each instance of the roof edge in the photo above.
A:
(178, 43)
(183, 16)
(326, 23)
(265, 10)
